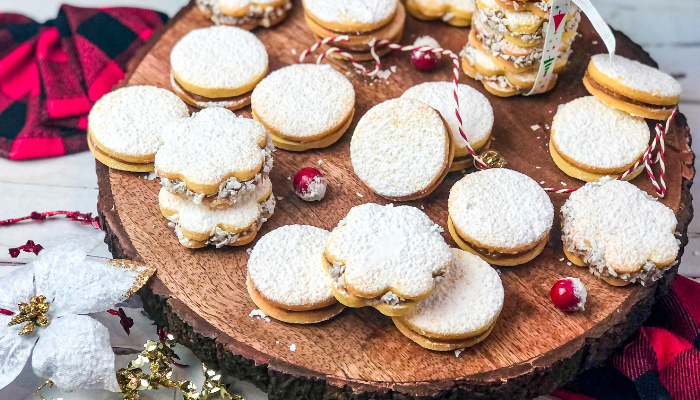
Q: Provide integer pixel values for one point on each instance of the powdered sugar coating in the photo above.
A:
(304, 100)
(388, 248)
(469, 297)
(130, 120)
(219, 57)
(597, 135)
(354, 11)
(199, 218)
(210, 145)
(399, 147)
(286, 266)
(500, 208)
(619, 230)
(475, 109)
(636, 75)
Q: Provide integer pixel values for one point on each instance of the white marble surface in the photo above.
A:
(666, 30)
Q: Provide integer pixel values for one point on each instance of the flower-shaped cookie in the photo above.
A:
(213, 152)
(619, 232)
(386, 257)
(53, 295)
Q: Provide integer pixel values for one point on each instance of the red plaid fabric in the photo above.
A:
(661, 363)
(52, 73)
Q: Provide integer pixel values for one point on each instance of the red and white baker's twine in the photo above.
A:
(646, 159)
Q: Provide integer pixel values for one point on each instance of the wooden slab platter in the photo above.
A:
(200, 295)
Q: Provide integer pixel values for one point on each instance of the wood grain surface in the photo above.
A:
(534, 347)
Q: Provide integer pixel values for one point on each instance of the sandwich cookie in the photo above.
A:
(590, 140)
(500, 215)
(246, 14)
(214, 157)
(304, 106)
(402, 149)
(461, 311)
(363, 21)
(631, 86)
(474, 108)
(386, 257)
(286, 279)
(454, 12)
(217, 66)
(619, 232)
(125, 126)
(197, 225)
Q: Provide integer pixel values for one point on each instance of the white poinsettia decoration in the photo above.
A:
(48, 300)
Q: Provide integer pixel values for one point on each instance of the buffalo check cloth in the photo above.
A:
(51, 74)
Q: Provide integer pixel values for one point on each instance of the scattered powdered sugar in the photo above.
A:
(619, 230)
(387, 246)
(219, 57)
(130, 120)
(211, 145)
(597, 135)
(399, 147)
(286, 266)
(200, 219)
(369, 12)
(475, 109)
(500, 208)
(469, 298)
(292, 347)
(258, 313)
(636, 75)
(304, 100)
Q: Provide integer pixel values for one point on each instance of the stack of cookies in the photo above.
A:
(214, 168)
(506, 44)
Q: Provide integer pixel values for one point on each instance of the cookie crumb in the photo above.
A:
(458, 352)
(393, 68)
(535, 127)
(154, 226)
(542, 183)
(280, 198)
(594, 42)
(359, 195)
(289, 178)
(564, 184)
(292, 347)
(320, 162)
(294, 51)
(258, 313)
(150, 176)
(538, 167)
(546, 126)
(422, 207)
(277, 342)
(568, 263)
(249, 250)
(561, 259)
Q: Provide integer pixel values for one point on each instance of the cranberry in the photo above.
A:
(569, 294)
(424, 60)
(310, 184)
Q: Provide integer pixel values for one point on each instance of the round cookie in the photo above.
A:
(619, 232)
(364, 22)
(461, 311)
(304, 106)
(286, 279)
(125, 126)
(217, 66)
(197, 225)
(245, 14)
(214, 157)
(386, 257)
(501, 215)
(454, 12)
(351, 15)
(402, 149)
(631, 86)
(590, 140)
(474, 108)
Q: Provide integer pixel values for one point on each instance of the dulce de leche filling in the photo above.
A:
(596, 85)
(99, 150)
(204, 99)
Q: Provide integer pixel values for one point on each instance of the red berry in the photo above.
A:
(569, 294)
(424, 60)
(310, 184)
